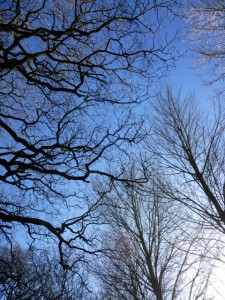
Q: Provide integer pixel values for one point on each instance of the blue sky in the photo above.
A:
(187, 74)
(190, 79)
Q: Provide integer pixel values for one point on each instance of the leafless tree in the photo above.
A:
(206, 24)
(189, 147)
(68, 68)
(152, 252)
(26, 274)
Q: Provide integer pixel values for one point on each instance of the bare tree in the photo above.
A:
(206, 24)
(189, 148)
(26, 274)
(67, 70)
(152, 253)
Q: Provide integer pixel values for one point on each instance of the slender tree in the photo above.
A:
(152, 253)
(189, 147)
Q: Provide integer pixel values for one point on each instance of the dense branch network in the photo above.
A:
(206, 24)
(72, 73)
(191, 149)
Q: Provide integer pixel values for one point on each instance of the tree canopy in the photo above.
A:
(67, 70)
(104, 161)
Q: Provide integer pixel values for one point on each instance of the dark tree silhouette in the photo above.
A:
(72, 73)
(190, 152)
(25, 274)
